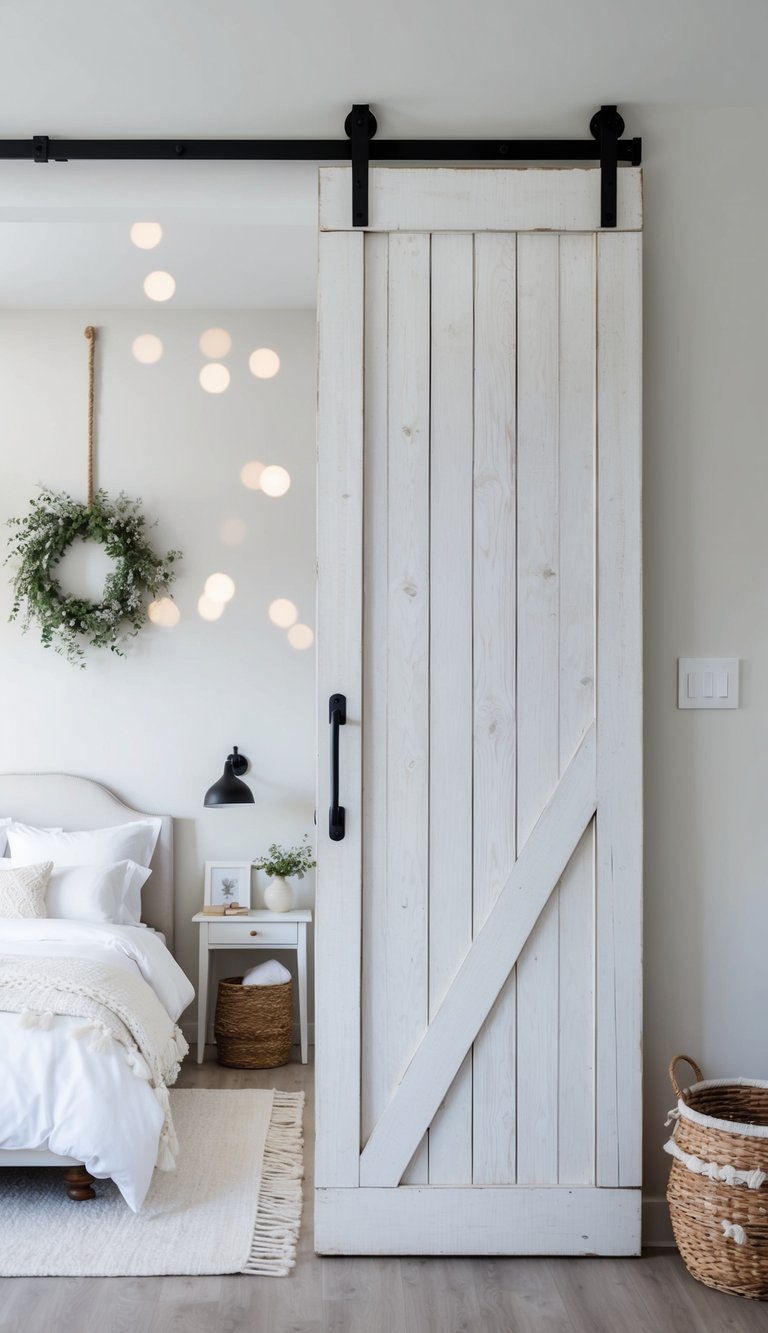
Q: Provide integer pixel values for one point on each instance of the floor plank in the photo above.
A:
(653, 1294)
(519, 1294)
(440, 1296)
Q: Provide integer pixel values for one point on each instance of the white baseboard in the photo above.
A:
(190, 1032)
(657, 1228)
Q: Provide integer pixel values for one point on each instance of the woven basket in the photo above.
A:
(253, 1024)
(718, 1186)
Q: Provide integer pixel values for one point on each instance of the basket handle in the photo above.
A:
(674, 1062)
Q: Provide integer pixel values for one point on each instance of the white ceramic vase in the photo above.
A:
(278, 894)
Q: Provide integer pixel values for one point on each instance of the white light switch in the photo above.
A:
(708, 682)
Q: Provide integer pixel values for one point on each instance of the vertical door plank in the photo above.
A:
(538, 753)
(376, 1085)
(494, 751)
(619, 706)
(450, 673)
(339, 609)
(402, 987)
(576, 1100)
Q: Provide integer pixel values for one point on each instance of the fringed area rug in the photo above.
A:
(233, 1204)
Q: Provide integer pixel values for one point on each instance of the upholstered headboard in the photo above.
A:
(68, 802)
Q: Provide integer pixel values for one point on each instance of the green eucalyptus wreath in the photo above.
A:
(39, 541)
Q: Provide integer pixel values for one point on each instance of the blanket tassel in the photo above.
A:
(30, 1018)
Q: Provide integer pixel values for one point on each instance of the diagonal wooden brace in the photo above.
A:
(483, 972)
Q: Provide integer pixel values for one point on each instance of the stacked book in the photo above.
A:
(224, 909)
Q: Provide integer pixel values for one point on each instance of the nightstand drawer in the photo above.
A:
(252, 932)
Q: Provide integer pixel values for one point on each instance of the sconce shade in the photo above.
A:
(230, 789)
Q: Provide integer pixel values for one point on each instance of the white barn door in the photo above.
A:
(479, 925)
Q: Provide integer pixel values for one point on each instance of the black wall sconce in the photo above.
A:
(230, 789)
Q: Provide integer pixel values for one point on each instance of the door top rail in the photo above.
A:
(605, 146)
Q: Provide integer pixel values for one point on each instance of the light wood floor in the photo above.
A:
(649, 1295)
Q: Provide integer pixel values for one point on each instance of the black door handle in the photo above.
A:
(337, 716)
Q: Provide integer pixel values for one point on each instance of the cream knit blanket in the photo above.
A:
(119, 1009)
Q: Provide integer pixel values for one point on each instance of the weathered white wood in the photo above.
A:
(442, 574)
(619, 707)
(479, 199)
(376, 1077)
(538, 685)
(203, 988)
(576, 1068)
(481, 1220)
(483, 972)
(576, 959)
(495, 741)
(450, 683)
(301, 968)
(339, 558)
(403, 985)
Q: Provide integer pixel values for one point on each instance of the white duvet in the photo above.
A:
(57, 1093)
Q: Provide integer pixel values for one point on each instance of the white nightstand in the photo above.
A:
(257, 930)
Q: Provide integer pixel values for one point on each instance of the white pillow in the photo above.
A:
(102, 846)
(4, 832)
(94, 893)
(22, 890)
(98, 893)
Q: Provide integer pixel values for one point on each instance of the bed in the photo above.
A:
(44, 1119)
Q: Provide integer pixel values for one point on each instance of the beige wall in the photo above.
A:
(706, 591)
(157, 726)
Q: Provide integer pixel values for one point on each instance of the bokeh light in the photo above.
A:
(214, 377)
(275, 480)
(146, 235)
(283, 612)
(215, 343)
(164, 612)
(209, 610)
(301, 636)
(219, 588)
(250, 475)
(264, 363)
(233, 531)
(147, 349)
(159, 286)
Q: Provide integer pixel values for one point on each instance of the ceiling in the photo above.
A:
(244, 233)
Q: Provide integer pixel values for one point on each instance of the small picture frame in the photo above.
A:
(227, 883)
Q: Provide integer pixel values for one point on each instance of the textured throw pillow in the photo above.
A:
(102, 846)
(22, 890)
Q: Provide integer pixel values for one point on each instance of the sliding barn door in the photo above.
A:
(479, 923)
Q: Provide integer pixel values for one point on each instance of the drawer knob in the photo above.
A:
(254, 932)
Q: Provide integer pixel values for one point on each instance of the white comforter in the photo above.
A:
(114, 1129)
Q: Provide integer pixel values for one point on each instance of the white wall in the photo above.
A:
(157, 726)
(706, 581)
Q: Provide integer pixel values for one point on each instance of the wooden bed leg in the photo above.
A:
(78, 1182)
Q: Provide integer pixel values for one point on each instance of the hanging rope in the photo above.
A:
(90, 334)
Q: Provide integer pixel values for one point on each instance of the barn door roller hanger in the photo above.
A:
(360, 147)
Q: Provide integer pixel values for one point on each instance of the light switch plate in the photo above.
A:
(708, 682)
